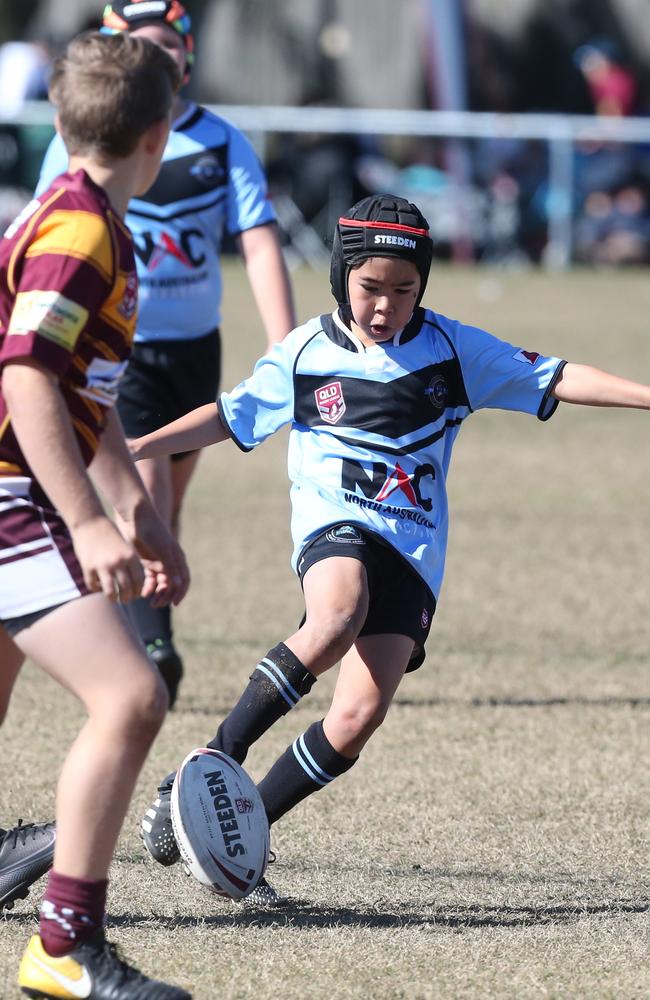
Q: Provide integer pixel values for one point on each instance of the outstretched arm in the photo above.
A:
(190, 432)
(593, 387)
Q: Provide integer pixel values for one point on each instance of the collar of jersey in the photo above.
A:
(339, 332)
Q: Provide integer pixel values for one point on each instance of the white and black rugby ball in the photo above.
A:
(220, 823)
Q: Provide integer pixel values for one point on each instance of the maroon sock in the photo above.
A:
(71, 911)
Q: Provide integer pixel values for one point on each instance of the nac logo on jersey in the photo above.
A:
(153, 249)
(370, 486)
(330, 402)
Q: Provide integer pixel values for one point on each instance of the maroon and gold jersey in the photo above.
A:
(68, 298)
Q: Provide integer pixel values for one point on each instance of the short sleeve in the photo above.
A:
(499, 375)
(249, 203)
(263, 403)
(61, 280)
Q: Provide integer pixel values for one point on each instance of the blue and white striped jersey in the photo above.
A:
(372, 428)
(210, 184)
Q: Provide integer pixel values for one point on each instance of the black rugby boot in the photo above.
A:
(26, 853)
(156, 826)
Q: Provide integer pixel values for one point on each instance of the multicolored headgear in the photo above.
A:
(122, 15)
(382, 225)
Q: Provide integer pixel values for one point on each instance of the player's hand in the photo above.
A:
(110, 565)
(137, 447)
(167, 576)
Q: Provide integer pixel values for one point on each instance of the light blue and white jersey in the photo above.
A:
(210, 184)
(372, 428)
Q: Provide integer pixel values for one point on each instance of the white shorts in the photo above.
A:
(38, 566)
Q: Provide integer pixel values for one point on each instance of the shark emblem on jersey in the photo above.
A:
(330, 402)
(345, 533)
(207, 169)
(437, 392)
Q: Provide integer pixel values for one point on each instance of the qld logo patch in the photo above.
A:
(526, 357)
(129, 303)
(330, 402)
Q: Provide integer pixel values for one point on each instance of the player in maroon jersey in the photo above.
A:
(68, 296)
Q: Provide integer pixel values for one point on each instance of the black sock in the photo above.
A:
(310, 763)
(150, 623)
(276, 685)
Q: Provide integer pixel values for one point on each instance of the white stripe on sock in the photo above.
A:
(277, 670)
(273, 680)
(305, 766)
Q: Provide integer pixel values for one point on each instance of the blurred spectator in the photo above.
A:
(24, 74)
(614, 228)
(613, 217)
(612, 86)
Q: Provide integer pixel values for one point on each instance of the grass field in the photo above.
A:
(493, 840)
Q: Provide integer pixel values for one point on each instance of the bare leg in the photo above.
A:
(336, 599)
(11, 660)
(368, 679)
(336, 602)
(182, 470)
(88, 647)
(166, 481)
(370, 674)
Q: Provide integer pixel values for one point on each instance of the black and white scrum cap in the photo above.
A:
(381, 225)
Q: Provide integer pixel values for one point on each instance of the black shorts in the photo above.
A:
(166, 379)
(400, 601)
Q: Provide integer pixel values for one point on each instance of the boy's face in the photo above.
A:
(382, 292)
(168, 39)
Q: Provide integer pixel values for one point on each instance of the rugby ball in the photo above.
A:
(220, 823)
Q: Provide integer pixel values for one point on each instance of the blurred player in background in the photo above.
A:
(68, 298)
(210, 186)
(375, 394)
